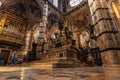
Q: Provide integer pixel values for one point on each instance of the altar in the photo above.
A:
(62, 52)
(65, 56)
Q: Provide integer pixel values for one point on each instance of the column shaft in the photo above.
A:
(106, 32)
(42, 29)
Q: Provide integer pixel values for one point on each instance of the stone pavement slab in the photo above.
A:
(83, 73)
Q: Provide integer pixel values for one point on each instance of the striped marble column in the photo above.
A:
(40, 37)
(27, 41)
(31, 40)
(42, 28)
(108, 38)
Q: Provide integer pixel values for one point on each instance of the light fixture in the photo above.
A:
(0, 4)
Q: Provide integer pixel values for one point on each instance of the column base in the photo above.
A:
(38, 55)
(110, 58)
(114, 65)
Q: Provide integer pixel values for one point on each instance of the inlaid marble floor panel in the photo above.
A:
(83, 73)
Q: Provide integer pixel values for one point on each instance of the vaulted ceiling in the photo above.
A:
(29, 9)
(32, 11)
(79, 15)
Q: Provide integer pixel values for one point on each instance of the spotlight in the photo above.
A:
(0, 4)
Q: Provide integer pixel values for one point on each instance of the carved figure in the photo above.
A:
(68, 33)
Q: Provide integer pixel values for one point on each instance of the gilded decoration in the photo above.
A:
(12, 28)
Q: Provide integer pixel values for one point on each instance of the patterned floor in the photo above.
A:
(84, 73)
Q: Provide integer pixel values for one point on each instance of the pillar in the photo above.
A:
(27, 42)
(40, 39)
(108, 37)
(31, 40)
(42, 29)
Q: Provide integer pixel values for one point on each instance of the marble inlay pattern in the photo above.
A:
(83, 73)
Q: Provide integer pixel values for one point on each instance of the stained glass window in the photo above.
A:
(74, 2)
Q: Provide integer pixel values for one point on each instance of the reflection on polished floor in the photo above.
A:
(83, 73)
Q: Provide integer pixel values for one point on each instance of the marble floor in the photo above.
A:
(83, 73)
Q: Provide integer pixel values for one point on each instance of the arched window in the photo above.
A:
(55, 3)
(74, 2)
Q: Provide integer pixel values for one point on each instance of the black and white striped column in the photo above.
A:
(108, 37)
(42, 28)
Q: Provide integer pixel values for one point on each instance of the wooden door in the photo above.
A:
(5, 54)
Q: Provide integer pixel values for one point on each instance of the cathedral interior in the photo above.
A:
(60, 39)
